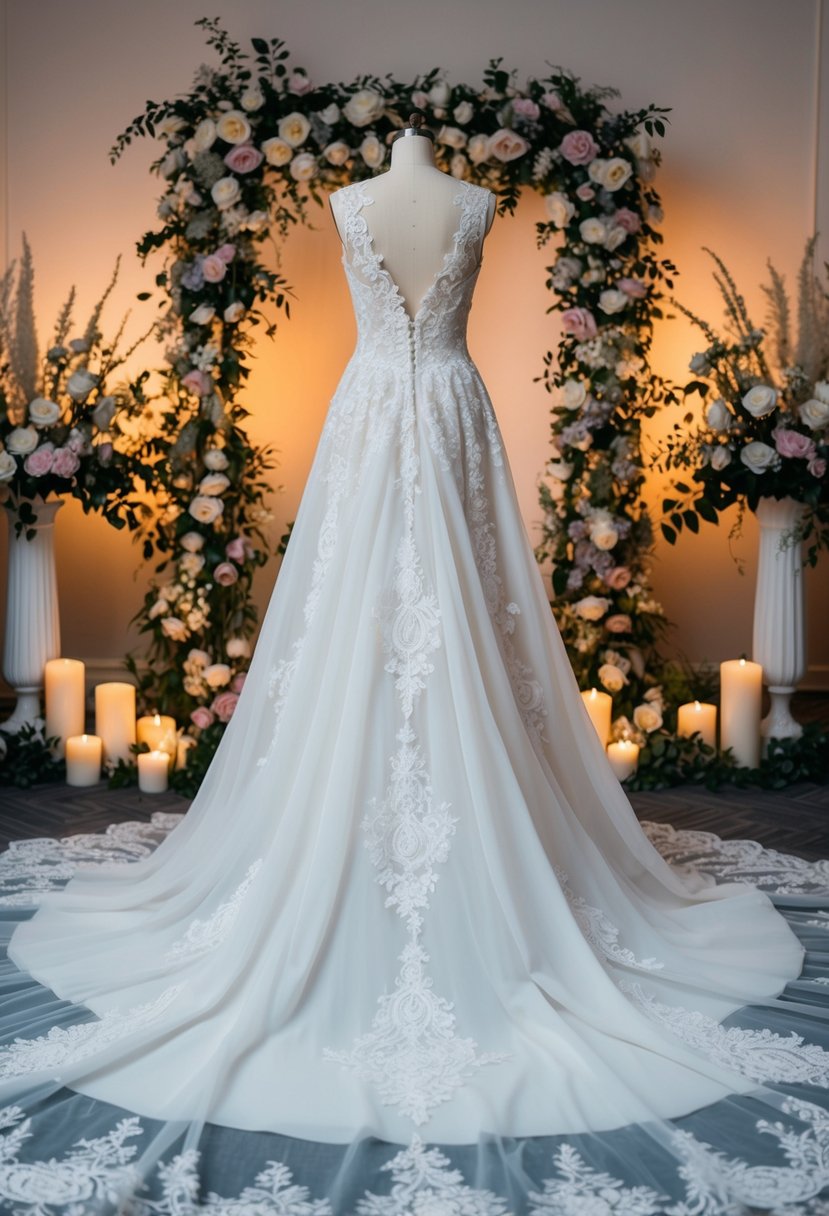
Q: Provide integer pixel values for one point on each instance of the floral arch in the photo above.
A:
(245, 152)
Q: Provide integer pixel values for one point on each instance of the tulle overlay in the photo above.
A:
(410, 951)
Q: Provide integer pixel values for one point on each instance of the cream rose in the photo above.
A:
(759, 457)
(718, 415)
(463, 112)
(191, 564)
(80, 384)
(721, 457)
(612, 677)
(815, 412)
(277, 152)
(206, 508)
(559, 208)
(372, 151)
(760, 400)
(233, 127)
(364, 107)
(234, 312)
(592, 231)
(617, 171)
(252, 99)
(225, 192)
(22, 440)
(217, 675)
(453, 137)
(174, 628)
(592, 607)
(573, 394)
(612, 300)
(215, 460)
(294, 129)
(337, 153)
(8, 466)
(559, 469)
(204, 135)
(237, 648)
(478, 149)
(303, 167)
(330, 114)
(647, 717)
(506, 145)
(43, 412)
(603, 534)
(214, 483)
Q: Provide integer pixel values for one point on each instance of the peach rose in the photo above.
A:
(620, 622)
(506, 145)
(225, 573)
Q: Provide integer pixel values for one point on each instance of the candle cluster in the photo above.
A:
(116, 729)
(741, 690)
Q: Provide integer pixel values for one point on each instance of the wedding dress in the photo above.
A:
(410, 951)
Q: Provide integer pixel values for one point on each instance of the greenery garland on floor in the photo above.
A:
(244, 153)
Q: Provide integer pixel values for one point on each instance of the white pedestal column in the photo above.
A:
(779, 631)
(32, 619)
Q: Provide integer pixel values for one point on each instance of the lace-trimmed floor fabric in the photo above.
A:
(410, 951)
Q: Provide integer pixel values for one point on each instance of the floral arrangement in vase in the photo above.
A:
(59, 415)
(765, 430)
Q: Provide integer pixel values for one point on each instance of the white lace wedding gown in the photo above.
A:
(410, 902)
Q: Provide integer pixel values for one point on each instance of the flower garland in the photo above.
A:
(244, 151)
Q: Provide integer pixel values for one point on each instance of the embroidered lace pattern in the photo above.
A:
(600, 932)
(202, 936)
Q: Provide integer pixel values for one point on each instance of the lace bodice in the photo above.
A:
(385, 329)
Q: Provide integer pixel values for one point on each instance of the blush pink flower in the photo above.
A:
(226, 252)
(66, 463)
(627, 219)
(243, 158)
(235, 549)
(224, 704)
(238, 682)
(226, 574)
(526, 107)
(201, 717)
(617, 578)
(634, 288)
(794, 444)
(817, 467)
(552, 101)
(585, 192)
(104, 453)
(39, 462)
(197, 382)
(299, 83)
(579, 322)
(579, 147)
(620, 622)
(214, 268)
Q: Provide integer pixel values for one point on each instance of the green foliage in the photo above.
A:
(26, 758)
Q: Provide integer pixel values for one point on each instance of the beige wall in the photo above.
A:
(741, 174)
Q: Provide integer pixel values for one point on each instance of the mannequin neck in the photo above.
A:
(411, 150)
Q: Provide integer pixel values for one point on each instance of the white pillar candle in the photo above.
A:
(152, 772)
(599, 706)
(741, 691)
(83, 760)
(158, 731)
(185, 742)
(623, 757)
(115, 719)
(65, 695)
(698, 717)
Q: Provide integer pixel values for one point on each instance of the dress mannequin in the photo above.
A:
(413, 219)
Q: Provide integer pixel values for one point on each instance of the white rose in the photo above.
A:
(698, 364)
(277, 152)
(174, 628)
(616, 235)
(612, 677)
(234, 312)
(157, 610)
(43, 412)
(364, 107)
(22, 440)
(214, 483)
(592, 607)
(458, 165)
(612, 300)
(206, 508)
(294, 128)
(171, 125)
(452, 137)
(202, 314)
(303, 167)
(103, 413)
(478, 149)
(814, 412)
(822, 391)
(372, 151)
(256, 221)
(640, 145)
(330, 114)
(596, 170)
(238, 648)
(559, 469)
(592, 231)
(760, 400)
(440, 93)
(617, 171)
(559, 208)
(721, 457)
(573, 394)
(215, 460)
(191, 564)
(174, 161)
(233, 127)
(647, 717)
(192, 542)
(463, 112)
(337, 153)
(217, 675)
(225, 192)
(80, 384)
(252, 99)
(603, 534)
(8, 466)
(759, 457)
(204, 135)
(718, 415)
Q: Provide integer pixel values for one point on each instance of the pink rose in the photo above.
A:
(39, 462)
(299, 83)
(224, 705)
(243, 158)
(213, 268)
(201, 717)
(627, 219)
(579, 147)
(238, 682)
(197, 381)
(225, 574)
(104, 452)
(794, 444)
(66, 463)
(585, 192)
(579, 322)
(634, 288)
(76, 442)
(235, 549)
(817, 467)
(552, 101)
(617, 578)
(226, 252)
(526, 107)
(620, 622)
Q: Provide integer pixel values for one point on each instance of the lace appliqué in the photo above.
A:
(760, 1055)
(424, 1183)
(202, 936)
(65, 1046)
(600, 932)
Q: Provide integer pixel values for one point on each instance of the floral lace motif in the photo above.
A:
(600, 932)
(423, 1184)
(65, 1046)
(202, 936)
